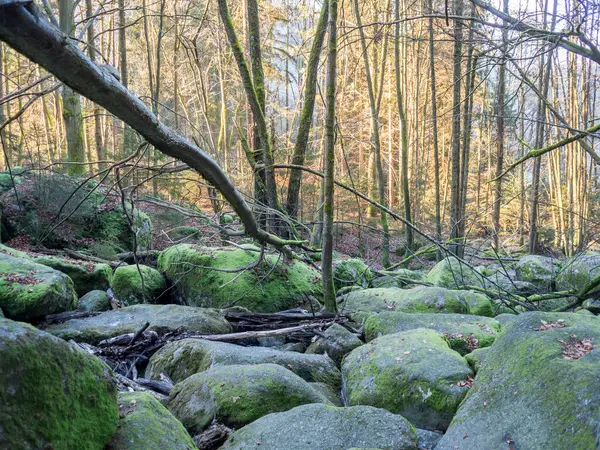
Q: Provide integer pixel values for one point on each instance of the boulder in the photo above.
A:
(413, 373)
(146, 424)
(29, 291)
(94, 301)
(86, 276)
(53, 394)
(323, 427)
(451, 273)
(351, 272)
(162, 319)
(184, 358)
(336, 342)
(428, 439)
(464, 333)
(420, 299)
(216, 277)
(578, 271)
(477, 357)
(138, 284)
(387, 281)
(332, 396)
(539, 270)
(538, 388)
(237, 395)
(60, 211)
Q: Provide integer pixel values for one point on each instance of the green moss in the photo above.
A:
(13, 252)
(528, 389)
(577, 271)
(451, 273)
(29, 290)
(412, 373)
(324, 427)
(273, 285)
(421, 299)
(477, 357)
(189, 356)
(336, 342)
(94, 301)
(464, 333)
(146, 424)
(128, 286)
(86, 276)
(237, 395)
(352, 272)
(87, 218)
(52, 395)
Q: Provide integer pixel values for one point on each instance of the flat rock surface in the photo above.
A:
(162, 318)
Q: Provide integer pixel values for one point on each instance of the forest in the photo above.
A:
(299, 224)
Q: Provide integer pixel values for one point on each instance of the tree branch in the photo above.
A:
(26, 30)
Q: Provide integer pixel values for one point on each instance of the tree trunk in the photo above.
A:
(306, 115)
(404, 135)
(376, 142)
(72, 112)
(544, 77)
(500, 132)
(328, 188)
(91, 37)
(434, 125)
(457, 246)
(128, 136)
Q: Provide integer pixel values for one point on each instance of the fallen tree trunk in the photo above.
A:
(24, 28)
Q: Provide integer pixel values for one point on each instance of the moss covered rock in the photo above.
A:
(162, 319)
(464, 333)
(578, 271)
(451, 273)
(530, 393)
(52, 394)
(539, 270)
(207, 277)
(412, 373)
(336, 342)
(420, 299)
(352, 272)
(86, 276)
(387, 281)
(60, 211)
(146, 424)
(323, 427)
(30, 291)
(477, 357)
(138, 284)
(237, 395)
(94, 301)
(189, 356)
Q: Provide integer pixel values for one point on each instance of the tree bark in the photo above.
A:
(404, 136)
(72, 112)
(91, 37)
(328, 188)
(306, 115)
(457, 245)
(500, 131)
(434, 124)
(376, 142)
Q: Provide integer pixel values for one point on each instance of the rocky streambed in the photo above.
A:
(402, 367)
